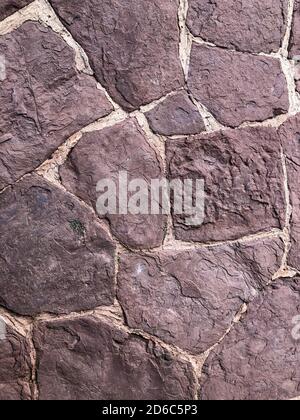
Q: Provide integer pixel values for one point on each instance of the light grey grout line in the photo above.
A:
(185, 42)
(33, 358)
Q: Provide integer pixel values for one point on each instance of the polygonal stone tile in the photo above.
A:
(8, 7)
(294, 47)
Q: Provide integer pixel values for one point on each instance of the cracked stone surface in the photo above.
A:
(132, 45)
(190, 298)
(259, 359)
(294, 46)
(176, 115)
(252, 25)
(89, 359)
(43, 99)
(103, 155)
(243, 182)
(237, 87)
(54, 255)
(8, 7)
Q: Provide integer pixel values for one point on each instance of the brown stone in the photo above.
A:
(8, 7)
(259, 359)
(243, 182)
(103, 155)
(237, 87)
(43, 98)
(132, 45)
(90, 359)
(190, 298)
(294, 47)
(54, 255)
(252, 25)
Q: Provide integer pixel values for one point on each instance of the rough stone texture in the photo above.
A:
(290, 137)
(294, 47)
(190, 298)
(8, 7)
(43, 99)
(259, 359)
(251, 25)
(243, 181)
(132, 45)
(176, 115)
(54, 255)
(15, 366)
(89, 359)
(102, 155)
(237, 87)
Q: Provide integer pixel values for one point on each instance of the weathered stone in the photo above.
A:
(43, 98)
(294, 47)
(252, 25)
(15, 365)
(103, 155)
(243, 181)
(132, 45)
(190, 298)
(54, 255)
(8, 7)
(237, 87)
(290, 137)
(176, 115)
(259, 359)
(90, 359)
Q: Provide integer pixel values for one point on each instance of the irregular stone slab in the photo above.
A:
(190, 298)
(259, 359)
(252, 25)
(103, 155)
(290, 137)
(90, 359)
(54, 255)
(243, 182)
(237, 87)
(8, 7)
(294, 47)
(15, 364)
(43, 98)
(132, 45)
(176, 115)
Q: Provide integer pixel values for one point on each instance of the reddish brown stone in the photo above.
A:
(253, 25)
(176, 115)
(54, 255)
(103, 155)
(190, 298)
(43, 98)
(259, 359)
(243, 181)
(132, 45)
(90, 359)
(237, 87)
(8, 7)
(294, 47)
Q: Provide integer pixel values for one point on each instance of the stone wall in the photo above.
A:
(146, 306)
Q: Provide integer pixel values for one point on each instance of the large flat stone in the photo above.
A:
(8, 7)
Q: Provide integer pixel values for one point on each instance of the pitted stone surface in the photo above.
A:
(90, 359)
(251, 25)
(190, 298)
(259, 359)
(8, 7)
(132, 45)
(54, 255)
(237, 87)
(243, 182)
(176, 115)
(103, 155)
(43, 98)
(294, 47)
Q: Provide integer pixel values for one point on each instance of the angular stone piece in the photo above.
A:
(43, 98)
(90, 359)
(132, 45)
(237, 87)
(290, 137)
(176, 115)
(54, 255)
(15, 365)
(252, 25)
(259, 359)
(243, 182)
(8, 7)
(103, 155)
(190, 298)
(294, 47)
